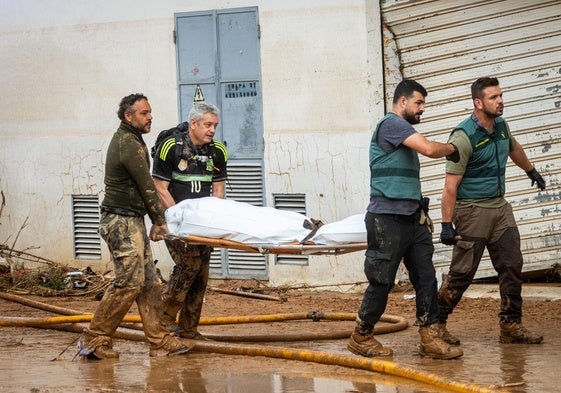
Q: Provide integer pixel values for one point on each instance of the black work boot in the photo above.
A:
(516, 333)
(363, 343)
(433, 346)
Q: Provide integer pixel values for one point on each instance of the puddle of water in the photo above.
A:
(26, 366)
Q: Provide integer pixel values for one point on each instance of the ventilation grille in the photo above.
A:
(244, 184)
(87, 243)
(297, 204)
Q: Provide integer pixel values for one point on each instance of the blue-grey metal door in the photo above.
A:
(218, 51)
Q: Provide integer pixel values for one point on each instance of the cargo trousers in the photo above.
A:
(391, 239)
(135, 280)
(184, 292)
(496, 230)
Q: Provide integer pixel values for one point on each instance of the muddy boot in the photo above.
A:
(189, 334)
(169, 322)
(516, 333)
(96, 348)
(435, 347)
(447, 336)
(363, 343)
(170, 347)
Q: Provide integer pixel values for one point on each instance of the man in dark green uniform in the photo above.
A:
(473, 198)
(396, 226)
(130, 194)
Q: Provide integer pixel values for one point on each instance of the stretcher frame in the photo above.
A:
(261, 248)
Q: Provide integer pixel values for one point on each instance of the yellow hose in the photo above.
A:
(396, 324)
(382, 366)
(357, 362)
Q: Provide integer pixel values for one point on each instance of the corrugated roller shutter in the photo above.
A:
(446, 45)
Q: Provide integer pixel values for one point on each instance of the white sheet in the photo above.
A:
(237, 221)
(241, 222)
(349, 230)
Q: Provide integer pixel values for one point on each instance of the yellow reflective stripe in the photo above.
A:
(484, 141)
(190, 177)
(166, 146)
(220, 145)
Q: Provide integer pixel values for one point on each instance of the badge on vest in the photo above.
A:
(182, 165)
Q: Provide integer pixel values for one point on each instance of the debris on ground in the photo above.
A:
(27, 274)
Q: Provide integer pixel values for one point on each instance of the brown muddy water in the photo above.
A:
(27, 365)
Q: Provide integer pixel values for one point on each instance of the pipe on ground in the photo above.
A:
(357, 362)
(382, 366)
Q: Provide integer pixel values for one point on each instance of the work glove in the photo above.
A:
(424, 218)
(455, 156)
(536, 178)
(448, 235)
(426, 221)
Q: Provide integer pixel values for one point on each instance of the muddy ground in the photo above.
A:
(38, 360)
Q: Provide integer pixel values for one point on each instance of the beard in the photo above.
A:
(492, 113)
(412, 118)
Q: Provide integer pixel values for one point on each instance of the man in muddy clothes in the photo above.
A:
(130, 194)
(475, 214)
(187, 165)
(398, 227)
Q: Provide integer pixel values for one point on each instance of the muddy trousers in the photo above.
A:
(479, 228)
(135, 280)
(184, 292)
(391, 238)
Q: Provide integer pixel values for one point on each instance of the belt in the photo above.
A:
(118, 210)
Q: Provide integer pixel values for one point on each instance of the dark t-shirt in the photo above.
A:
(191, 175)
(391, 134)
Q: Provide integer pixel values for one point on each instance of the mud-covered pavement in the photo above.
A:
(30, 361)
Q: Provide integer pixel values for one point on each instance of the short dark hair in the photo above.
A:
(481, 84)
(127, 103)
(406, 88)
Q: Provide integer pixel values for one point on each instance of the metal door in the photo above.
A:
(218, 51)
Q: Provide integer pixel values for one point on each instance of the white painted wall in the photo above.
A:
(65, 64)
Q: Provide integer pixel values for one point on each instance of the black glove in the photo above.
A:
(455, 156)
(424, 204)
(448, 234)
(536, 178)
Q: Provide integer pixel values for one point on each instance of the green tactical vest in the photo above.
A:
(485, 172)
(394, 175)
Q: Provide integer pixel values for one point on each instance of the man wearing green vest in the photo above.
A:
(398, 228)
(473, 199)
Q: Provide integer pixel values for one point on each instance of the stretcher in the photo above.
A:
(289, 248)
(222, 223)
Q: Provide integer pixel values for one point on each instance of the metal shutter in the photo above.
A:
(446, 45)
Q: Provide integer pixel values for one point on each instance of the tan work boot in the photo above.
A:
(516, 333)
(170, 347)
(435, 347)
(447, 336)
(363, 343)
(191, 335)
(169, 322)
(96, 348)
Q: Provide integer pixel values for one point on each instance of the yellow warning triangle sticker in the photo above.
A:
(198, 95)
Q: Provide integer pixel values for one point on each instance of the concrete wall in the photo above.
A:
(66, 64)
